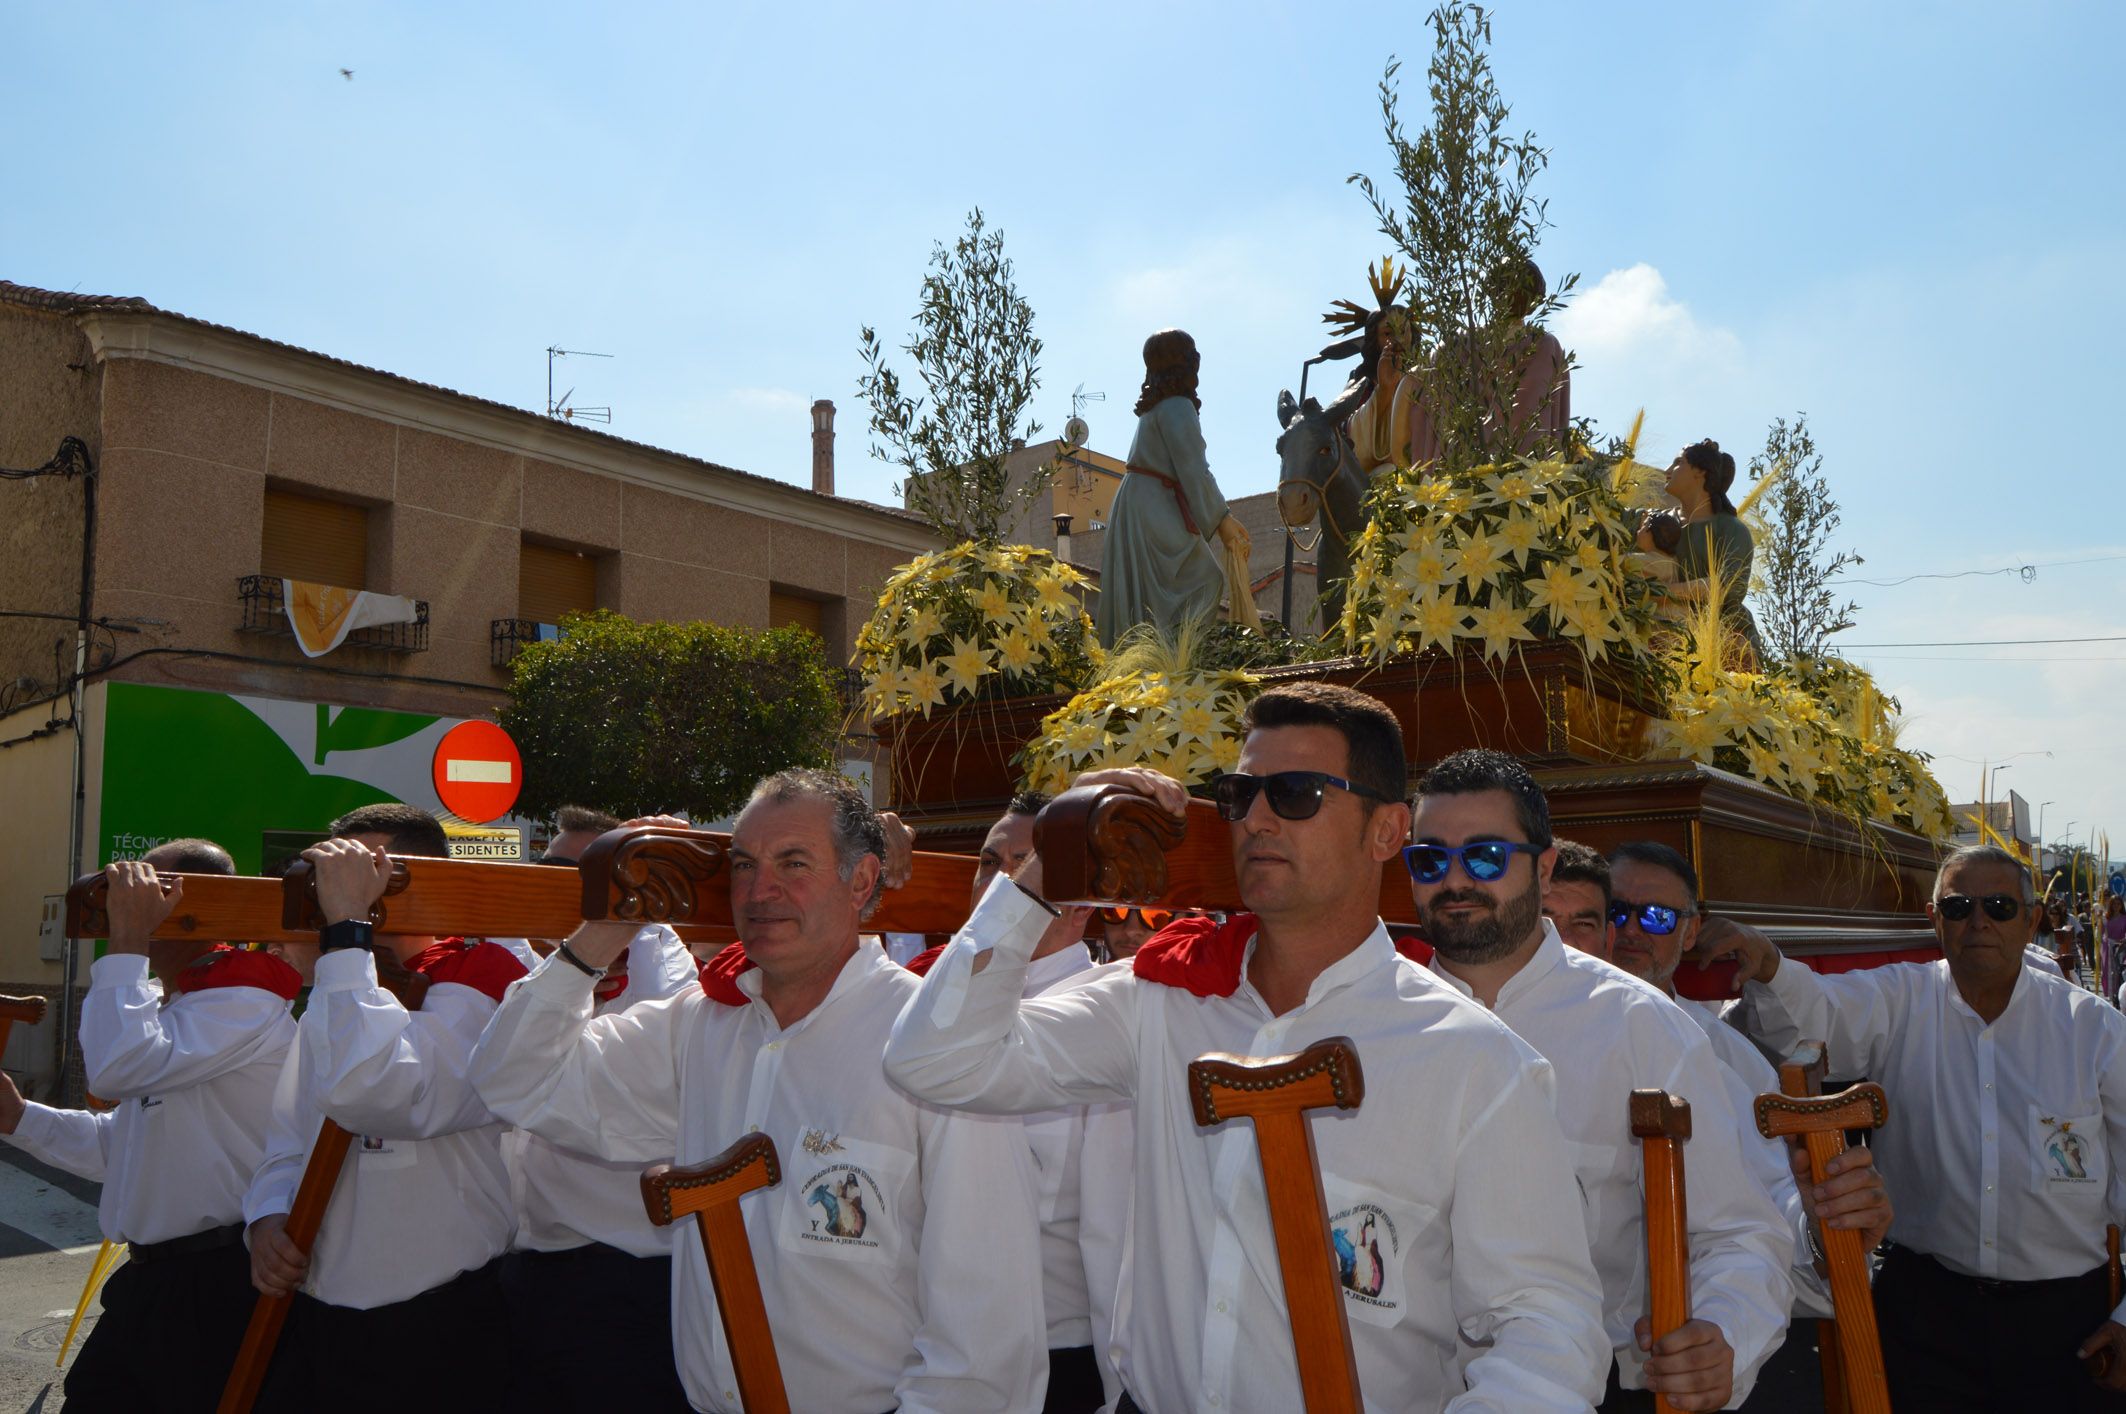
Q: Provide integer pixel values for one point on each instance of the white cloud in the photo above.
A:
(1630, 314)
(768, 400)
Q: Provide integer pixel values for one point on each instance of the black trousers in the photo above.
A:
(1618, 1400)
(1073, 1382)
(590, 1330)
(1953, 1344)
(441, 1352)
(167, 1334)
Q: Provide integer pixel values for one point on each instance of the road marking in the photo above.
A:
(47, 1213)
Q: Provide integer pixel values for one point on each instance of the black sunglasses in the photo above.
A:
(1656, 919)
(1293, 795)
(1484, 861)
(1999, 907)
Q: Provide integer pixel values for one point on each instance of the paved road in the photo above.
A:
(48, 1241)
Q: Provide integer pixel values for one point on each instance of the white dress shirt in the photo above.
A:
(1749, 1075)
(566, 1199)
(193, 1084)
(424, 1194)
(1451, 1179)
(2005, 1141)
(1608, 1033)
(873, 1306)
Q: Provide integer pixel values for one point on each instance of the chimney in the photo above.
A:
(1062, 520)
(823, 447)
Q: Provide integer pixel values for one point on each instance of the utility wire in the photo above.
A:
(2027, 573)
(1986, 642)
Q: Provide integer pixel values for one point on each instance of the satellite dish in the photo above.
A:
(1075, 432)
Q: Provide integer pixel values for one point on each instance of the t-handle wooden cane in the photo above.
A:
(27, 1010)
(1801, 1075)
(1822, 1122)
(1276, 1092)
(2098, 1363)
(710, 1193)
(1661, 1123)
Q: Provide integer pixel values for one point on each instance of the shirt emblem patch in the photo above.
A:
(839, 1202)
(2064, 1151)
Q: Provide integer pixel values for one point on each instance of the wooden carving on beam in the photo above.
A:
(652, 874)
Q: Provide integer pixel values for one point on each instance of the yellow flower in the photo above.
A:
(921, 626)
(1694, 736)
(1422, 567)
(1081, 738)
(1477, 557)
(1052, 594)
(1154, 693)
(1225, 753)
(926, 686)
(1512, 488)
(1038, 632)
(1436, 620)
(1589, 556)
(1499, 625)
(994, 603)
(1519, 533)
(1197, 723)
(1143, 739)
(964, 665)
(1016, 651)
(1434, 492)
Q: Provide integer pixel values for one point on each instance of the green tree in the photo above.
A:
(1467, 225)
(979, 364)
(635, 718)
(1796, 608)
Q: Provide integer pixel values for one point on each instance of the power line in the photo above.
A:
(2027, 572)
(1987, 642)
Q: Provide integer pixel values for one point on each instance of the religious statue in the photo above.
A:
(1683, 546)
(1157, 565)
(1542, 384)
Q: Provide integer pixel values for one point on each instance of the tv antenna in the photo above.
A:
(1076, 430)
(560, 407)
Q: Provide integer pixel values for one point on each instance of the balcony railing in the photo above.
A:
(506, 636)
(266, 611)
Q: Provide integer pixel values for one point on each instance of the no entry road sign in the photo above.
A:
(478, 772)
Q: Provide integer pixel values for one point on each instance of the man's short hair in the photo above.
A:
(570, 818)
(1660, 856)
(1581, 864)
(408, 829)
(1372, 736)
(857, 831)
(1028, 802)
(1984, 854)
(190, 855)
(1481, 769)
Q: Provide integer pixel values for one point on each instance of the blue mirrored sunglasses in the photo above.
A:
(1657, 919)
(1484, 861)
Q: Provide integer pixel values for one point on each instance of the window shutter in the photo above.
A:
(553, 583)
(789, 610)
(324, 542)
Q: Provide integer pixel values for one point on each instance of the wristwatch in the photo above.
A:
(347, 933)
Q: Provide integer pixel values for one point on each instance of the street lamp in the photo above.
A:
(2041, 836)
(1993, 775)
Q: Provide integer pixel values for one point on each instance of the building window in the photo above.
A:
(553, 583)
(794, 611)
(307, 538)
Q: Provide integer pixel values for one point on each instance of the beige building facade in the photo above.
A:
(224, 462)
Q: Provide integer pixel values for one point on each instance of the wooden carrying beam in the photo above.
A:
(1821, 1121)
(709, 1192)
(1276, 1092)
(1105, 844)
(646, 875)
(313, 1196)
(1661, 1124)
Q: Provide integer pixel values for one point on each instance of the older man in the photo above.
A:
(898, 1260)
(1481, 856)
(2008, 1128)
(190, 1066)
(1455, 1163)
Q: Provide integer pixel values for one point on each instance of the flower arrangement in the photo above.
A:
(1496, 556)
(975, 620)
(1159, 704)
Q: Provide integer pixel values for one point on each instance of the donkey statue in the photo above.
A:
(1318, 478)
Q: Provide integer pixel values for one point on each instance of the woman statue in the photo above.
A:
(1707, 532)
(1157, 565)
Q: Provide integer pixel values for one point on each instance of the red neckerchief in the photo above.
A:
(923, 961)
(719, 975)
(1200, 955)
(485, 967)
(608, 987)
(225, 966)
(1410, 945)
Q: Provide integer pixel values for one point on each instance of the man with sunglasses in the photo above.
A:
(2007, 1130)
(1453, 1172)
(1482, 856)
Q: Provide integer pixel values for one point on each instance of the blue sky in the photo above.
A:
(1903, 219)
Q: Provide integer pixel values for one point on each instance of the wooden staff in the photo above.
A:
(1802, 1076)
(710, 1192)
(1276, 1092)
(321, 1172)
(1822, 1121)
(1661, 1123)
(27, 1010)
(2098, 1364)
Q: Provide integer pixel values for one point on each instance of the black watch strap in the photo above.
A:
(348, 933)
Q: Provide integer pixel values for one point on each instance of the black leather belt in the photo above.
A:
(213, 1239)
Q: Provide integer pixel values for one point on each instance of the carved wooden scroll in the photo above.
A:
(709, 1193)
(1661, 1123)
(1276, 1093)
(1821, 1121)
(1105, 844)
(27, 1010)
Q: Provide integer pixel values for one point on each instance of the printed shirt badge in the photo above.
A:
(842, 1202)
(1368, 1235)
(2067, 1154)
